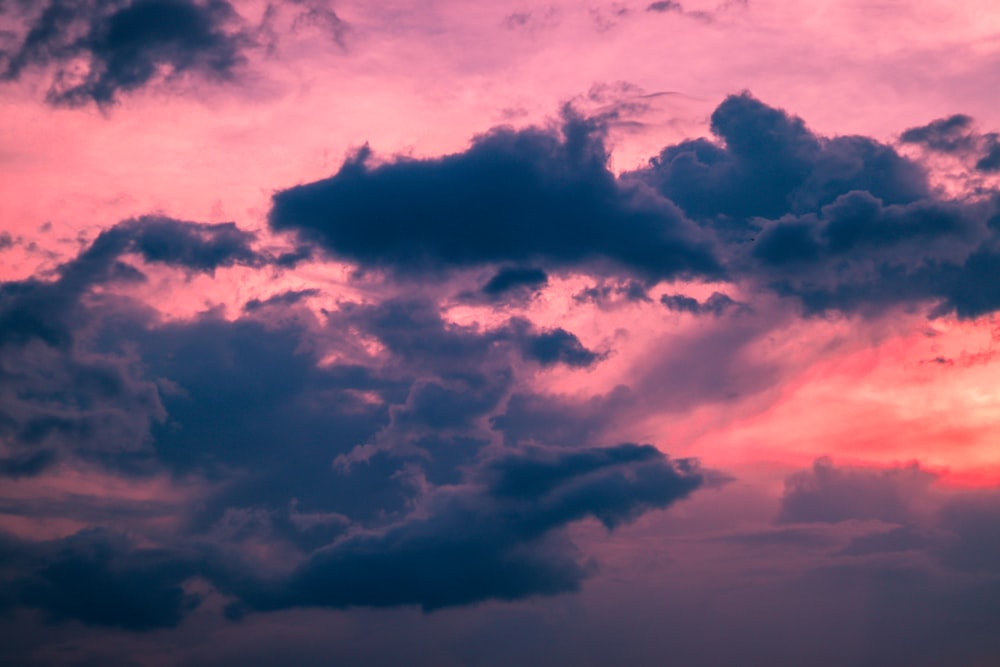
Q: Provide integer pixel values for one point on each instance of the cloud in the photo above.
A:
(126, 45)
(498, 537)
(72, 388)
(530, 196)
(99, 578)
(946, 135)
(716, 304)
(375, 471)
(513, 279)
(841, 223)
(611, 292)
(829, 494)
(531, 418)
(553, 346)
(956, 135)
(767, 164)
(664, 6)
(191, 245)
(283, 299)
(34, 308)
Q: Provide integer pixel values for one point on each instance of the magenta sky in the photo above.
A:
(505, 333)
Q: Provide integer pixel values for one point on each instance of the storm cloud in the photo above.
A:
(534, 195)
(127, 43)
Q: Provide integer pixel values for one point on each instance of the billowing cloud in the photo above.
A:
(528, 196)
(770, 164)
(430, 403)
(956, 135)
(125, 44)
(496, 537)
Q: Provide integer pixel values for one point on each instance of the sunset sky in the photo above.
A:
(483, 334)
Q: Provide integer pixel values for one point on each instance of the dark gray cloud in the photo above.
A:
(840, 223)
(716, 304)
(379, 471)
(946, 135)
(956, 135)
(610, 292)
(47, 310)
(768, 164)
(498, 537)
(99, 578)
(288, 298)
(512, 279)
(990, 161)
(195, 246)
(535, 196)
(72, 387)
(128, 43)
(381, 455)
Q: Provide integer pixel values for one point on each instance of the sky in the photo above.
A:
(472, 334)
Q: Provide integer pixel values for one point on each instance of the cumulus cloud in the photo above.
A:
(124, 44)
(842, 223)
(956, 135)
(497, 537)
(512, 279)
(379, 472)
(529, 196)
(376, 453)
(770, 164)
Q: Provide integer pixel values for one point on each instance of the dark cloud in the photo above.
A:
(609, 292)
(380, 454)
(62, 392)
(840, 223)
(859, 255)
(191, 245)
(859, 223)
(283, 299)
(26, 464)
(46, 310)
(946, 135)
(514, 196)
(513, 278)
(128, 45)
(375, 470)
(99, 578)
(553, 346)
(716, 304)
(956, 135)
(990, 161)
(498, 537)
(769, 164)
